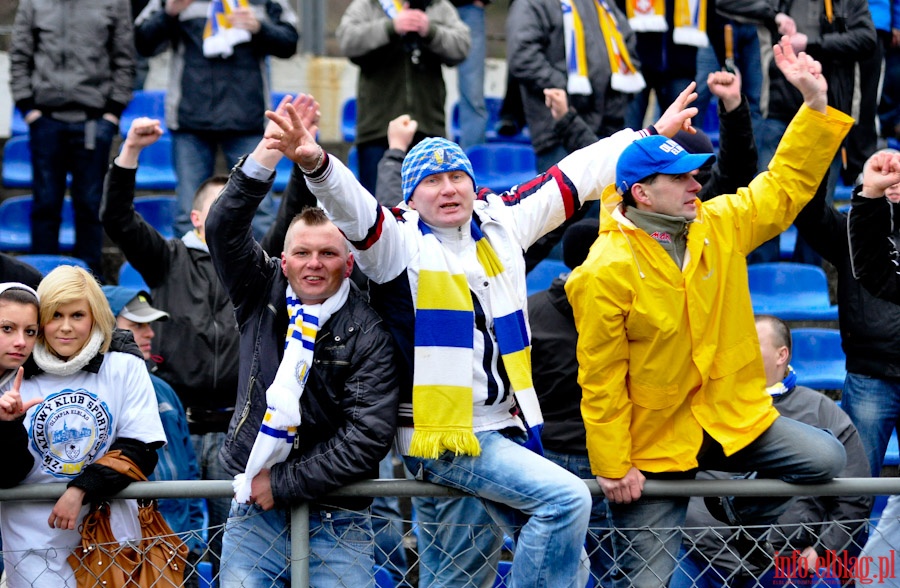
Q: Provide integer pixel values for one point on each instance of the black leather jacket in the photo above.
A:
(349, 404)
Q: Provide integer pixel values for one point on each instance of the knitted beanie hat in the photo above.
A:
(433, 155)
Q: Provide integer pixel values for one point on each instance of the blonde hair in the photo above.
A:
(67, 284)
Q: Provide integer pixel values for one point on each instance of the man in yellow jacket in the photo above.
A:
(669, 359)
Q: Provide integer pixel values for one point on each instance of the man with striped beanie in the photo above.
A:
(448, 278)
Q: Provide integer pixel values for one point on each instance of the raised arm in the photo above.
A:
(143, 246)
(873, 253)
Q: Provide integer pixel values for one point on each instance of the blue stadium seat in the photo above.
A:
(491, 135)
(46, 263)
(204, 570)
(383, 578)
(128, 276)
(892, 453)
(149, 103)
(17, 125)
(156, 170)
(503, 569)
(790, 291)
(282, 174)
(818, 358)
(15, 224)
(353, 161)
(159, 211)
(17, 162)
(543, 274)
(500, 166)
(786, 243)
(348, 120)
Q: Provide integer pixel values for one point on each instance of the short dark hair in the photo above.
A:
(200, 195)
(780, 329)
(628, 197)
(311, 216)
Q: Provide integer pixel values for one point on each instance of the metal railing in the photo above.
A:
(300, 550)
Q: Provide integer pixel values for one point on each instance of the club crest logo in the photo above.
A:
(438, 156)
(68, 430)
(302, 372)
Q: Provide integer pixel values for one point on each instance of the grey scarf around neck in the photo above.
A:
(668, 231)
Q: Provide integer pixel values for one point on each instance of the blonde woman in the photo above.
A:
(94, 396)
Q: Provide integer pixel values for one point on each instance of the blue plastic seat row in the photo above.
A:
(15, 220)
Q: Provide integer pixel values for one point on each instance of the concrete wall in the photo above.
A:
(332, 80)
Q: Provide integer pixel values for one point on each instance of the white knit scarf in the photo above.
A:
(279, 425)
(51, 364)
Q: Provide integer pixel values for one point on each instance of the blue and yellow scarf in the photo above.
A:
(442, 378)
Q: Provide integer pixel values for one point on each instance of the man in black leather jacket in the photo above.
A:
(348, 405)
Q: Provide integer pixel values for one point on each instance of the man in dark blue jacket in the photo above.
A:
(217, 95)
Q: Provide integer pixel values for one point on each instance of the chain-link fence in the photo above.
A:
(409, 550)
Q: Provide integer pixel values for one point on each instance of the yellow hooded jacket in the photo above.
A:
(666, 353)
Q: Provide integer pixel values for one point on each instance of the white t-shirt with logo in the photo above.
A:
(81, 416)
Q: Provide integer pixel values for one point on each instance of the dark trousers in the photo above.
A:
(58, 149)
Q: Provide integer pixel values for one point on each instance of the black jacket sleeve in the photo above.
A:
(143, 246)
(17, 460)
(574, 132)
(296, 197)
(823, 227)
(99, 481)
(736, 162)
(389, 186)
(873, 254)
(240, 262)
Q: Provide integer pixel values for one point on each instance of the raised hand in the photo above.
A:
(726, 87)
(307, 107)
(804, 73)
(295, 138)
(557, 101)
(678, 115)
(401, 132)
(143, 132)
(880, 172)
(11, 405)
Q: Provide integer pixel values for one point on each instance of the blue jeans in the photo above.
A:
(206, 448)
(599, 542)
(82, 149)
(459, 544)
(370, 153)
(256, 552)
(521, 490)
(647, 538)
(194, 157)
(747, 60)
(874, 407)
(473, 113)
(694, 571)
(387, 525)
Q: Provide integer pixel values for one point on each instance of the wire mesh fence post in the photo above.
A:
(300, 546)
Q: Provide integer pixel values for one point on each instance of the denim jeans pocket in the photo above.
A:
(349, 530)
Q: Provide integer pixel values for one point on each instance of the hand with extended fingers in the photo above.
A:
(307, 109)
(678, 115)
(294, 133)
(804, 73)
(11, 405)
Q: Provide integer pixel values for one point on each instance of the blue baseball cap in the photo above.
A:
(431, 156)
(655, 155)
(132, 304)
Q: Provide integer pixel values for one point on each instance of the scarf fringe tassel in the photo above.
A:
(431, 444)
